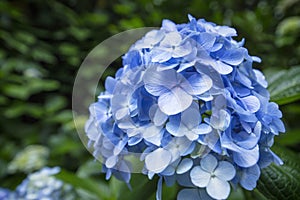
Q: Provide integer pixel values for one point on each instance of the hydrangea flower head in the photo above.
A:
(189, 106)
(43, 185)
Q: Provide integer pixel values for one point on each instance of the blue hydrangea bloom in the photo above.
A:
(43, 185)
(188, 107)
(6, 194)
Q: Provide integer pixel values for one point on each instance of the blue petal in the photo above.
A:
(226, 31)
(171, 39)
(158, 160)
(249, 177)
(193, 194)
(209, 163)
(175, 101)
(233, 57)
(160, 55)
(246, 158)
(252, 103)
(199, 83)
(168, 25)
(225, 171)
(159, 189)
(221, 67)
(185, 165)
(157, 116)
(204, 129)
(190, 118)
(207, 40)
(218, 188)
(199, 177)
(158, 82)
(182, 51)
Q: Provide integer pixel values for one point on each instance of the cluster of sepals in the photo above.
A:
(41, 184)
(188, 104)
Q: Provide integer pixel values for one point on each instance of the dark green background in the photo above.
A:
(44, 42)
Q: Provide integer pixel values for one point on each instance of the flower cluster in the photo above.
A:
(43, 185)
(187, 104)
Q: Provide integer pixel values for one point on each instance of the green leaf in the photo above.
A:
(142, 188)
(281, 182)
(289, 26)
(292, 138)
(284, 85)
(97, 188)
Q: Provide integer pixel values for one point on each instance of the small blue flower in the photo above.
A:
(188, 124)
(214, 176)
(174, 91)
(43, 185)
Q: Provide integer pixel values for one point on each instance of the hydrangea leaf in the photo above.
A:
(281, 182)
(284, 85)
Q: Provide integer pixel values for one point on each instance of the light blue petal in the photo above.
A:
(182, 51)
(209, 163)
(199, 83)
(190, 118)
(233, 57)
(168, 25)
(173, 129)
(203, 129)
(220, 120)
(225, 171)
(155, 89)
(207, 40)
(221, 67)
(260, 78)
(163, 80)
(218, 188)
(160, 55)
(246, 158)
(249, 177)
(159, 189)
(199, 177)
(191, 135)
(158, 160)
(226, 31)
(252, 103)
(111, 161)
(175, 101)
(171, 39)
(185, 165)
(157, 116)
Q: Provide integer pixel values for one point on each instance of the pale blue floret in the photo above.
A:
(213, 176)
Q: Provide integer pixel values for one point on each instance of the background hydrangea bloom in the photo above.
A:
(188, 104)
(43, 185)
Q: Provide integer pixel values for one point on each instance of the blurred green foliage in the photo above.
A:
(44, 42)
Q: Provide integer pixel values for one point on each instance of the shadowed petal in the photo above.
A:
(209, 163)
(185, 165)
